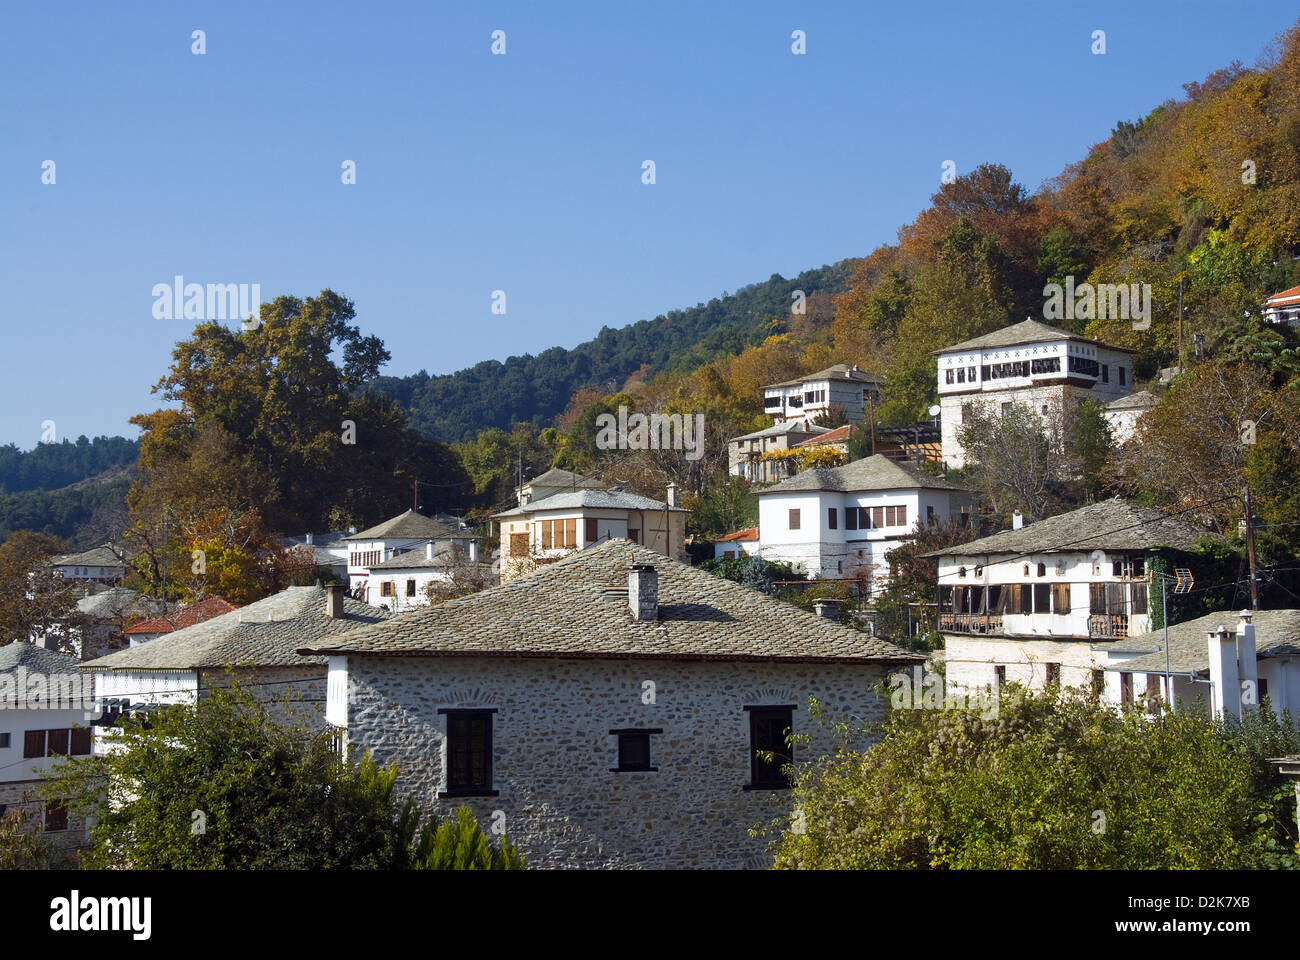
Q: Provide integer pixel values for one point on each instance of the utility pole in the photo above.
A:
(1250, 552)
(1180, 324)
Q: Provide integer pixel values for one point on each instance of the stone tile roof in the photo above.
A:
(20, 653)
(1277, 633)
(1027, 331)
(1141, 400)
(1114, 524)
(118, 601)
(838, 371)
(590, 499)
(555, 477)
(98, 557)
(205, 609)
(783, 429)
(263, 634)
(417, 559)
(411, 526)
(578, 607)
(876, 472)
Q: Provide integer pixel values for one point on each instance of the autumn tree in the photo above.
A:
(34, 600)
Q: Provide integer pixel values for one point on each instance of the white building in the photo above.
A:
(46, 710)
(741, 543)
(1057, 600)
(102, 565)
(328, 550)
(404, 581)
(402, 534)
(810, 396)
(1284, 307)
(1123, 414)
(551, 482)
(835, 522)
(1029, 363)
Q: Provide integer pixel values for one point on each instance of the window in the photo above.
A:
(970, 374)
(1042, 569)
(1053, 673)
(81, 741)
(1000, 675)
(877, 517)
(547, 526)
(1006, 408)
(56, 816)
(768, 749)
(961, 374)
(1042, 597)
(951, 376)
(1090, 367)
(929, 515)
(386, 589)
(1121, 375)
(1126, 688)
(4, 740)
(634, 534)
(571, 532)
(410, 588)
(469, 753)
(634, 750)
(794, 519)
(58, 742)
(33, 744)
(832, 518)
(1060, 598)
(1098, 682)
(1047, 365)
(1105, 373)
(590, 534)
(850, 518)
(1263, 689)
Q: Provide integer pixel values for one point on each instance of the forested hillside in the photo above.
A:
(457, 406)
(72, 490)
(50, 466)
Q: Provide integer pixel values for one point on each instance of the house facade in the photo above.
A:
(1123, 414)
(410, 531)
(1028, 363)
(405, 580)
(741, 543)
(841, 522)
(1057, 600)
(746, 455)
(544, 531)
(46, 711)
(614, 710)
(100, 565)
(808, 397)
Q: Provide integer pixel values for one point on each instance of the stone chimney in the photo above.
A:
(352, 528)
(1224, 678)
(334, 601)
(827, 608)
(643, 591)
(428, 550)
(1017, 520)
(673, 497)
(1246, 665)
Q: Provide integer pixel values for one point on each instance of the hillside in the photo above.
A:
(457, 406)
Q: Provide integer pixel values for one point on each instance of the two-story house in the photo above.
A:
(615, 709)
(815, 394)
(839, 522)
(1054, 601)
(543, 531)
(751, 456)
(409, 531)
(100, 565)
(551, 482)
(1028, 363)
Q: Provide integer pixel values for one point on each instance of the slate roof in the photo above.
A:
(205, 609)
(876, 472)
(98, 557)
(578, 607)
(417, 559)
(116, 601)
(1026, 331)
(1277, 633)
(263, 634)
(1141, 400)
(555, 477)
(781, 429)
(36, 659)
(1113, 524)
(590, 499)
(836, 371)
(411, 526)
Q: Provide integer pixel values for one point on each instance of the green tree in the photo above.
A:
(34, 600)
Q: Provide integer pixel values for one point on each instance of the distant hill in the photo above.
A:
(50, 466)
(456, 406)
(73, 490)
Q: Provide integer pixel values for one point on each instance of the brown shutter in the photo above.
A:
(546, 534)
(58, 743)
(34, 743)
(571, 532)
(1061, 598)
(591, 530)
(878, 517)
(80, 741)
(794, 519)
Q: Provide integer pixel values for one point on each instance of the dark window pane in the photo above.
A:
(769, 752)
(56, 815)
(634, 751)
(469, 744)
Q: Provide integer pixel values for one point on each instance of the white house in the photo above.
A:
(1029, 363)
(810, 396)
(328, 550)
(546, 530)
(404, 580)
(256, 642)
(102, 565)
(1123, 414)
(46, 711)
(614, 709)
(741, 543)
(1284, 307)
(406, 532)
(1057, 600)
(837, 522)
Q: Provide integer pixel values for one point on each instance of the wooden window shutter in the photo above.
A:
(58, 743)
(591, 535)
(571, 532)
(34, 743)
(1061, 598)
(546, 534)
(794, 519)
(81, 741)
(877, 517)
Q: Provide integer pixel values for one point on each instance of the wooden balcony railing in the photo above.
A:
(977, 623)
(1109, 626)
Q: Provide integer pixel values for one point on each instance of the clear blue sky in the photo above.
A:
(519, 172)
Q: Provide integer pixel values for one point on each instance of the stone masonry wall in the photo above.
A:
(553, 753)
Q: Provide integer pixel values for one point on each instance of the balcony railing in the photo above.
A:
(977, 623)
(1109, 626)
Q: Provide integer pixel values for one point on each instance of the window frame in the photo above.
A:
(761, 776)
(453, 714)
(626, 735)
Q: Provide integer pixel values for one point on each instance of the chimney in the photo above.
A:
(828, 608)
(672, 495)
(352, 528)
(1017, 520)
(309, 539)
(428, 550)
(1224, 678)
(334, 601)
(643, 591)
(1246, 665)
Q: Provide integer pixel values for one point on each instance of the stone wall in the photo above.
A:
(23, 795)
(559, 800)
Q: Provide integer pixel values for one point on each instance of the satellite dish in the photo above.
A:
(934, 411)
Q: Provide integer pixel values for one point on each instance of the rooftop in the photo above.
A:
(838, 371)
(263, 634)
(749, 533)
(418, 559)
(1277, 633)
(555, 477)
(1113, 524)
(411, 526)
(782, 429)
(578, 607)
(838, 435)
(1027, 331)
(205, 609)
(876, 472)
(1142, 400)
(98, 557)
(589, 500)
(1290, 295)
(20, 653)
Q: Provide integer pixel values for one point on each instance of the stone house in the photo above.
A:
(614, 709)
(100, 565)
(1057, 600)
(550, 483)
(407, 532)
(835, 522)
(745, 454)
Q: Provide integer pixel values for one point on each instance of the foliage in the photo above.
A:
(22, 844)
(725, 505)
(1045, 781)
(905, 608)
(34, 600)
(454, 844)
(49, 466)
(752, 571)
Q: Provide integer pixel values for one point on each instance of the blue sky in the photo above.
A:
(519, 172)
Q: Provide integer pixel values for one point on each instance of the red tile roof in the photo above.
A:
(1285, 295)
(838, 435)
(205, 609)
(750, 534)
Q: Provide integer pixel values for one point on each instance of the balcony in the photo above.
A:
(973, 623)
(1103, 626)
